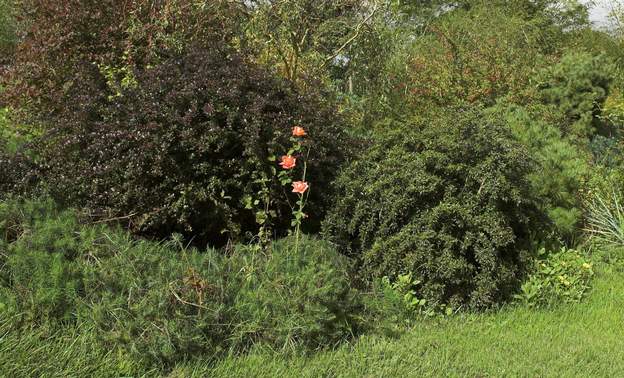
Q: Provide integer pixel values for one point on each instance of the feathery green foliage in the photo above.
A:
(577, 87)
(161, 303)
(562, 168)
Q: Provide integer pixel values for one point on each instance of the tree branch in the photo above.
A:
(358, 28)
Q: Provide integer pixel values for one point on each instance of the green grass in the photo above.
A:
(583, 340)
(44, 353)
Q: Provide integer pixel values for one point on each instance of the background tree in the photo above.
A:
(8, 31)
(305, 38)
(68, 42)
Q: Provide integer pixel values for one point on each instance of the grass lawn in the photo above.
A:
(584, 340)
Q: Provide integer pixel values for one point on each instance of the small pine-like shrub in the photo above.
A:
(561, 277)
(304, 298)
(577, 87)
(161, 303)
(448, 200)
(563, 168)
(40, 277)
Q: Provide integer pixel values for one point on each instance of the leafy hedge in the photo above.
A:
(148, 112)
(447, 200)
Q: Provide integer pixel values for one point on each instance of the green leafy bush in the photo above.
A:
(471, 55)
(403, 294)
(561, 277)
(162, 303)
(448, 200)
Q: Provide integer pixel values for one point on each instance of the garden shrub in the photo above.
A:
(155, 114)
(560, 277)
(183, 147)
(563, 168)
(448, 200)
(161, 303)
(567, 135)
(18, 170)
(65, 44)
(38, 247)
(471, 55)
(577, 87)
(304, 298)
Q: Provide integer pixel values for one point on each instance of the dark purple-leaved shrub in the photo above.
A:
(185, 146)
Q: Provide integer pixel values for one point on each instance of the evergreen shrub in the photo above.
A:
(448, 200)
(162, 303)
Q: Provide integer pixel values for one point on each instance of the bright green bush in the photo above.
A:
(577, 87)
(304, 298)
(447, 199)
(561, 277)
(563, 168)
(161, 303)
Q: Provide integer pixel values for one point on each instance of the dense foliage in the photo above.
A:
(160, 302)
(8, 32)
(160, 122)
(564, 167)
(577, 87)
(181, 148)
(67, 42)
(453, 154)
(18, 171)
(447, 200)
(560, 277)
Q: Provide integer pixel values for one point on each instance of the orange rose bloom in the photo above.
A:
(288, 162)
(298, 131)
(299, 187)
